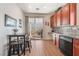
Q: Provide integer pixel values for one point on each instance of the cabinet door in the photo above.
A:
(65, 15)
(76, 47)
(59, 18)
(57, 40)
(54, 38)
(72, 13)
(57, 43)
(76, 50)
(51, 22)
(54, 21)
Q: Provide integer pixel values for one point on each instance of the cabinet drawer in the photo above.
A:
(76, 41)
(76, 50)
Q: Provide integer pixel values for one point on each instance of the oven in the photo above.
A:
(66, 45)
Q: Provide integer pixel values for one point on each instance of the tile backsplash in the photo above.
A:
(72, 30)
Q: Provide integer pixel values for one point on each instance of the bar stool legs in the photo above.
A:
(28, 46)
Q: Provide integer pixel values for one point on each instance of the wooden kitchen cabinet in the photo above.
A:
(54, 38)
(72, 13)
(59, 18)
(57, 40)
(65, 15)
(51, 20)
(57, 43)
(55, 20)
(76, 47)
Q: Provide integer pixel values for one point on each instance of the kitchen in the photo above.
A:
(65, 29)
(60, 34)
(60, 27)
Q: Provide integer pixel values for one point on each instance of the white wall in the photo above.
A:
(13, 11)
(46, 28)
(26, 24)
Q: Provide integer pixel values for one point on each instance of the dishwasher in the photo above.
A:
(66, 45)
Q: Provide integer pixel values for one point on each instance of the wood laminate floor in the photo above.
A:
(43, 48)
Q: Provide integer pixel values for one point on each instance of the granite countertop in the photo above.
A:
(72, 35)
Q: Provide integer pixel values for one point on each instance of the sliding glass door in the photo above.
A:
(36, 27)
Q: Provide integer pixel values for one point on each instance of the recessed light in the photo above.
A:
(30, 7)
(44, 7)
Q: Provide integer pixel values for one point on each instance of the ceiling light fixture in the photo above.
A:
(30, 7)
(37, 9)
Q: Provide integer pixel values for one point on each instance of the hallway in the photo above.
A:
(43, 48)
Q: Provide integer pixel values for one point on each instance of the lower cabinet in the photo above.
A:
(76, 47)
(75, 44)
(56, 39)
(76, 50)
(57, 43)
(54, 42)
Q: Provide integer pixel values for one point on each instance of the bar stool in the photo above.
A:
(15, 48)
(27, 42)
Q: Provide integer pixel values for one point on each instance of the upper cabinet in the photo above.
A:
(51, 22)
(65, 15)
(55, 20)
(59, 18)
(77, 14)
(72, 13)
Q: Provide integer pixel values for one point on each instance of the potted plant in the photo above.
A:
(15, 31)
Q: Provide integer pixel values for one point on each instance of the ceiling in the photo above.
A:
(39, 7)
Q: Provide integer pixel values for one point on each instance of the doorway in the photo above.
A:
(36, 27)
